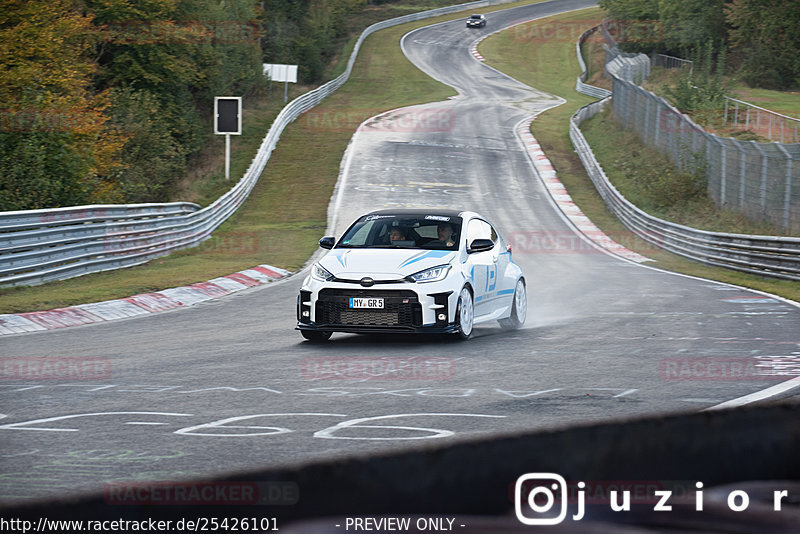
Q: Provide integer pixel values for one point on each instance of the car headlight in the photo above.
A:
(434, 274)
(318, 272)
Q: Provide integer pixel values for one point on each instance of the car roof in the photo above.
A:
(420, 212)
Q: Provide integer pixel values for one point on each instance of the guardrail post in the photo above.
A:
(657, 128)
(787, 190)
(723, 175)
(763, 186)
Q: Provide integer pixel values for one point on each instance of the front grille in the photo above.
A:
(400, 308)
(367, 317)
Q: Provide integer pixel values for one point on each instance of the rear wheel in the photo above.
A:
(465, 313)
(316, 337)
(519, 308)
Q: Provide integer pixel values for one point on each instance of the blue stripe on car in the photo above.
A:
(424, 255)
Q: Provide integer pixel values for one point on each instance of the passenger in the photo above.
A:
(396, 235)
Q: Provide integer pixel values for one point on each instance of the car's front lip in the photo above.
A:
(366, 329)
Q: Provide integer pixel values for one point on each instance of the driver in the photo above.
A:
(445, 233)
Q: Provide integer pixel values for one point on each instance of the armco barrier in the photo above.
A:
(580, 86)
(474, 479)
(773, 256)
(44, 245)
(777, 257)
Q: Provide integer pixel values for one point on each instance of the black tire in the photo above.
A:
(316, 337)
(466, 319)
(519, 308)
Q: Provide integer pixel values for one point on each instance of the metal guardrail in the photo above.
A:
(39, 246)
(580, 86)
(775, 127)
(672, 62)
(774, 256)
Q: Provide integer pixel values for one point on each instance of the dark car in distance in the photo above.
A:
(476, 21)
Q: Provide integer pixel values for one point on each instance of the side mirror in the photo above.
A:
(327, 242)
(480, 245)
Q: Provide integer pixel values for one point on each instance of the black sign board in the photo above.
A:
(228, 115)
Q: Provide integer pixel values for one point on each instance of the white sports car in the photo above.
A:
(436, 271)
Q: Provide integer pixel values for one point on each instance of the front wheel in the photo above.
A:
(316, 337)
(519, 308)
(465, 313)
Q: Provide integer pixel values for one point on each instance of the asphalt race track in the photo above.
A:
(229, 385)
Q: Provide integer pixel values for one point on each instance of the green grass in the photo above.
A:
(552, 66)
(648, 178)
(784, 102)
(286, 213)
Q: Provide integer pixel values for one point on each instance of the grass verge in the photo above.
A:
(286, 212)
(550, 65)
(650, 180)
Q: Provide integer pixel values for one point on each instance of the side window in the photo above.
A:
(479, 229)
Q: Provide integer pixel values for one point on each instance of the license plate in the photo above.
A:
(366, 303)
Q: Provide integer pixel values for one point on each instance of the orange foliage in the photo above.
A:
(46, 81)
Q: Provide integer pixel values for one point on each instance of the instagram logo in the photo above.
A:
(540, 492)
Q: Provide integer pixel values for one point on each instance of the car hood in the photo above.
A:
(382, 263)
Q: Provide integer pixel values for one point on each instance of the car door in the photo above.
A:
(482, 267)
(506, 276)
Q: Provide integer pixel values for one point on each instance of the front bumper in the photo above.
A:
(407, 307)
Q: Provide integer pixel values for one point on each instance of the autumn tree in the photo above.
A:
(765, 35)
(56, 146)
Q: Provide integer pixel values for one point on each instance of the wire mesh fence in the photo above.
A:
(761, 122)
(759, 180)
(773, 256)
(738, 114)
(671, 62)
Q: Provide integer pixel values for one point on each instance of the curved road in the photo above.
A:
(228, 385)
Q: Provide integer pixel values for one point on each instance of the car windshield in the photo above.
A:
(437, 232)
(475, 17)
